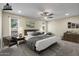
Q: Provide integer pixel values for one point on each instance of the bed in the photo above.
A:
(40, 42)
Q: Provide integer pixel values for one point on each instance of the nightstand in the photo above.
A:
(21, 40)
(9, 41)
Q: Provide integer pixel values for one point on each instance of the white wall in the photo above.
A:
(39, 24)
(0, 24)
(59, 26)
(52, 27)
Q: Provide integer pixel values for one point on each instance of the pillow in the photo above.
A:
(29, 33)
(49, 33)
(37, 33)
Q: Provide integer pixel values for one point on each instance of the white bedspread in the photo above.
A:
(42, 44)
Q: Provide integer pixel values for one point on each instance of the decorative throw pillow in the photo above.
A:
(49, 33)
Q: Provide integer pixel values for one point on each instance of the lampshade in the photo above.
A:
(7, 7)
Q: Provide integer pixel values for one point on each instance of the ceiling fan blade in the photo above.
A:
(51, 14)
(50, 17)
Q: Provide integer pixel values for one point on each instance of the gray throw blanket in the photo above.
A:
(32, 41)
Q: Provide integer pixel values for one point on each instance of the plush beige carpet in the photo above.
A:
(63, 48)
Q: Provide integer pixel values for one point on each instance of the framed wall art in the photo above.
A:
(73, 25)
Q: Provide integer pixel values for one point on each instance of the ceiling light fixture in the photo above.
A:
(7, 7)
(19, 11)
(67, 14)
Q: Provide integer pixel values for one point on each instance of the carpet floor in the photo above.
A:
(62, 48)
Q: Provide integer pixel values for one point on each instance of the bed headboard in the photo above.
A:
(29, 30)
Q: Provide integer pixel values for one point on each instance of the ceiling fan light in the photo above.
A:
(51, 14)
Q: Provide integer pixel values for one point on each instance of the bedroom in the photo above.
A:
(46, 18)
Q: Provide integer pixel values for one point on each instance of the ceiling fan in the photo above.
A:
(7, 7)
(47, 15)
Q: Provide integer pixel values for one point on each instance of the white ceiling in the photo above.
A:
(32, 10)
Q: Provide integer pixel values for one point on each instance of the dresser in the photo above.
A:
(73, 37)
